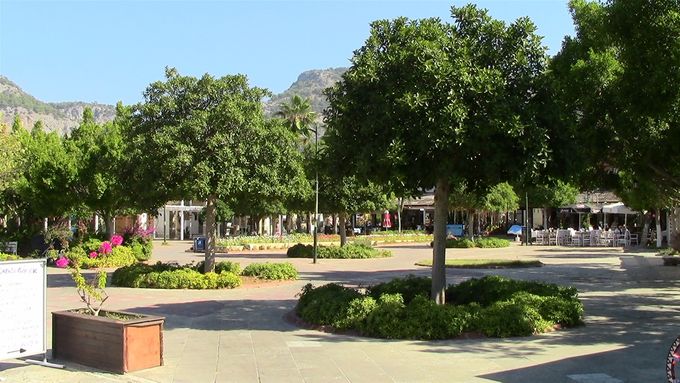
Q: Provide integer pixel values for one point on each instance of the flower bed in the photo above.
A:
(493, 306)
(349, 251)
(94, 254)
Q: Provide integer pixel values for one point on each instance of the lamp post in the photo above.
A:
(316, 197)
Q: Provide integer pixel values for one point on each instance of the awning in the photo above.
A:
(588, 208)
(618, 208)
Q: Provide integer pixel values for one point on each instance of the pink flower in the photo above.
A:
(93, 254)
(116, 240)
(62, 262)
(105, 247)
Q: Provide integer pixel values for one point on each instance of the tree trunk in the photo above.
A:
(441, 212)
(210, 214)
(110, 222)
(674, 226)
(659, 234)
(645, 230)
(343, 230)
(471, 224)
(400, 209)
(335, 224)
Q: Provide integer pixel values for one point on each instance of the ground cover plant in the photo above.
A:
(8, 257)
(482, 242)
(350, 251)
(192, 276)
(493, 306)
(484, 263)
(271, 271)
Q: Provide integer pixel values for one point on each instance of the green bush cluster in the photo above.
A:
(349, 251)
(174, 276)
(400, 309)
(223, 266)
(482, 242)
(8, 257)
(459, 243)
(491, 242)
(119, 256)
(168, 276)
(271, 271)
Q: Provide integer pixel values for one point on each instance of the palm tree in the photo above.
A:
(299, 114)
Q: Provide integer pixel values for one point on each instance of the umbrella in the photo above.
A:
(618, 208)
(515, 230)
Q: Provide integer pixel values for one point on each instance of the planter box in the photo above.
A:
(108, 344)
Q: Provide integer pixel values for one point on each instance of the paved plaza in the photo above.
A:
(241, 335)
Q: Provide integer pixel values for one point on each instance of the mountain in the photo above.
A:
(64, 116)
(310, 84)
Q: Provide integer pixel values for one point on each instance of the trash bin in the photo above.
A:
(199, 244)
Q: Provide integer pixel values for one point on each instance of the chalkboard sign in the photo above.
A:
(22, 308)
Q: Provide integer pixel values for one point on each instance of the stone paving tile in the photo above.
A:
(240, 336)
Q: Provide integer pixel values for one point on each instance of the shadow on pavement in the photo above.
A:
(223, 315)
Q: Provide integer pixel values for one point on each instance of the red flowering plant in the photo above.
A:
(91, 288)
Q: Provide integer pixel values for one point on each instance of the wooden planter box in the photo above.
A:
(108, 344)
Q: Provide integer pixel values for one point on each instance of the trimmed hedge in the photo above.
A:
(491, 242)
(482, 242)
(167, 276)
(8, 257)
(223, 266)
(349, 251)
(271, 271)
(494, 306)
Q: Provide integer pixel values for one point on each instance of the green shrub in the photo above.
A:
(511, 318)
(300, 251)
(271, 271)
(140, 252)
(8, 257)
(325, 305)
(349, 251)
(385, 320)
(167, 276)
(92, 244)
(409, 287)
(357, 311)
(494, 288)
(495, 306)
(223, 266)
(459, 243)
(119, 256)
(491, 242)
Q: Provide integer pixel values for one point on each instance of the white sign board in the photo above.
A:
(22, 308)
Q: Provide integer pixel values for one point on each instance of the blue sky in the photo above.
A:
(106, 51)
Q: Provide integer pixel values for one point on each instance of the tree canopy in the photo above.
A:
(426, 102)
(206, 138)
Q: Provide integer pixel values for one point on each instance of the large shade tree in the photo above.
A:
(617, 80)
(206, 138)
(427, 102)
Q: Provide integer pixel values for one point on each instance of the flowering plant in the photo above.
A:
(90, 290)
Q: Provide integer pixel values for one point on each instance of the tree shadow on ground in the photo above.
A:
(223, 315)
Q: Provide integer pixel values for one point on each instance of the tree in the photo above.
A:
(103, 163)
(299, 115)
(206, 138)
(427, 102)
(615, 82)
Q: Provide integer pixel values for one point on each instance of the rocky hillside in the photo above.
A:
(310, 84)
(62, 116)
